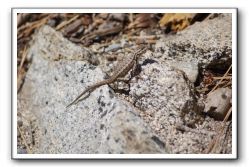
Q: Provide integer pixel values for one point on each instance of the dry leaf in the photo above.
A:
(177, 21)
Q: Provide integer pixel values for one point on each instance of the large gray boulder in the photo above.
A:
(102, 123)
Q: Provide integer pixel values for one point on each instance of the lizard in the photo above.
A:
(122, 69)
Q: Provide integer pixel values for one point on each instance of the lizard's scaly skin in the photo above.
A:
(122, 69)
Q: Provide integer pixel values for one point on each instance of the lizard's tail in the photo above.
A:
(89, 89)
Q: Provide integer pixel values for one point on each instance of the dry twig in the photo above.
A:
(213, 146)
(64, 23)
(220, 81)
(24, 140)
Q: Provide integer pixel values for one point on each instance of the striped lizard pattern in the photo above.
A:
(121, 70)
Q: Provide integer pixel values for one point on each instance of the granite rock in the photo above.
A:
(207, 43)
(218, 103)
(101, 123)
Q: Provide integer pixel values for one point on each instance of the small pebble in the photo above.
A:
(113, 47)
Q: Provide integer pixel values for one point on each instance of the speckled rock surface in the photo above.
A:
(218, 103)
(46, 38)
(209, 43)
(164, 89)
(168, 103)
(101, 123)
(190, 68)
(166, 99)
